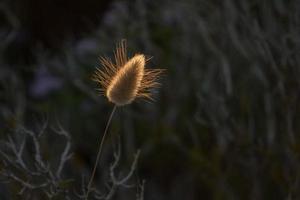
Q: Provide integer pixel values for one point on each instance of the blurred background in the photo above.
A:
(225, 123)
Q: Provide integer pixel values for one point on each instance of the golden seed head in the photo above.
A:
(124, 86)
(125, 80)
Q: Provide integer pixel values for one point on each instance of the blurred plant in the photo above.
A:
(25, 163)
(227, 119)
(34, 172)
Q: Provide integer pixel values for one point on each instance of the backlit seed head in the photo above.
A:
(126, 79)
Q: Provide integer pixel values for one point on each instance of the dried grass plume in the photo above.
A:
(126, 79)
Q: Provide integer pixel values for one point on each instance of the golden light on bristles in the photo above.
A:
(126, 79)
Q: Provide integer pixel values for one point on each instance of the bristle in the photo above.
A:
(126, 80)
(121, 53)
(149, 82)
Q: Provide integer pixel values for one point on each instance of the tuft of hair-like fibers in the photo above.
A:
(126, 79)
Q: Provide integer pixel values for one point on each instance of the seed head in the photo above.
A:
(126, 79)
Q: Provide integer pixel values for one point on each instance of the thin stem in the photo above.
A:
(99, 151)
